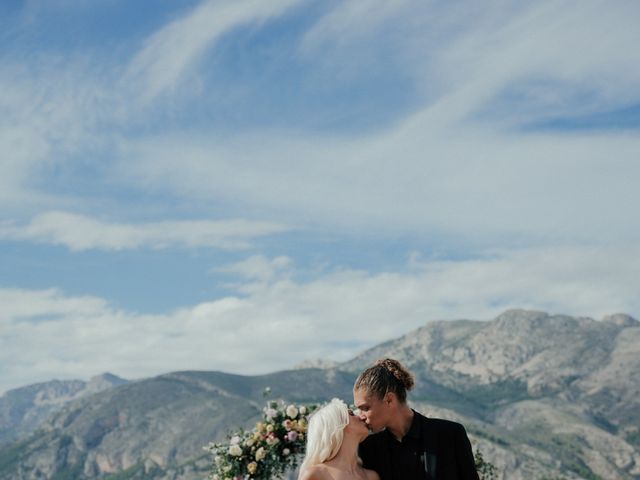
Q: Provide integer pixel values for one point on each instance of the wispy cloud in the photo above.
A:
(257, 267)
(170, 52)
(78, 232)
(447, 181)
(277, 322)
(464, 160)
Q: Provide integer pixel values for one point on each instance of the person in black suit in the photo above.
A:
(406, 445)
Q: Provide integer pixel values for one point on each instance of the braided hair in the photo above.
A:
(386, 375)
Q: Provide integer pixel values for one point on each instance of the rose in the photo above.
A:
(260, 454)
(272, 439)
(270, 413)
(234, 440)
(292, 436)
(287, 424)
(269, 428)
(249, 442)
(286, 452)
(235, 450)
(252, 467)
(292, 411)
(303, 410)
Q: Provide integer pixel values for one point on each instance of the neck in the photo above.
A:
(347, 457)
(401, 423)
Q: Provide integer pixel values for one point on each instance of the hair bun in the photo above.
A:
(398, 371)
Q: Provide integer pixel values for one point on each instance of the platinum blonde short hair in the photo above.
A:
(325, 433)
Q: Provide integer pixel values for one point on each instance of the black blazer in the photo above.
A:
(447, 450)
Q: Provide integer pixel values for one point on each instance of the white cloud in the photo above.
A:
(26, 304)
(459, 165)
(276, 324)
(439, 170)
(78, 232)
(350, 20)
(170, 52)
(419, 178)
(257, 267)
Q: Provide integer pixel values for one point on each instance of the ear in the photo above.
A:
(389, 398)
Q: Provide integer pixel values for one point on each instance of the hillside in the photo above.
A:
(24, 409)
(541, 395)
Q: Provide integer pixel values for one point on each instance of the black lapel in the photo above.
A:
(430, 446)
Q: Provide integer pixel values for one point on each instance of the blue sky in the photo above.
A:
(244, 185)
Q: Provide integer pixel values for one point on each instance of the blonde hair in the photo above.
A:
(325, 433)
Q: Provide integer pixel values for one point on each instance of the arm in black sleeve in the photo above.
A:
(464, 456)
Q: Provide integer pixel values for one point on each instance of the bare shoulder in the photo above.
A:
(314, 472)
(372, 475)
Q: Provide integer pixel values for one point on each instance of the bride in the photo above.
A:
(333, 436)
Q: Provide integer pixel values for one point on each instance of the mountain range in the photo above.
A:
(542, 396)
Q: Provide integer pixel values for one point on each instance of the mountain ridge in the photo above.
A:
(541, 395)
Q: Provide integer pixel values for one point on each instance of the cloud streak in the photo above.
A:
(170, 52)
(275, 322)
(79, 232)
(464, 162)
(464, 166)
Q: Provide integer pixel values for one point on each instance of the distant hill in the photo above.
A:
(22, 410)
(541, 395)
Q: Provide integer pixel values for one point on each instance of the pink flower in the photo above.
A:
(292, 436)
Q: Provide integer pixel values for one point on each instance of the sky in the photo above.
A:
(243, 185)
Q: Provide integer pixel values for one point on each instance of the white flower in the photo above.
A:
(286, 452)
(249, 442)
(235, 440)
(292, 411)
(260, 454)
(303, 410)
(270, 412)
(235, 450)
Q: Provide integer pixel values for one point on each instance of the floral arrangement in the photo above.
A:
(271, 448)
(275, 445)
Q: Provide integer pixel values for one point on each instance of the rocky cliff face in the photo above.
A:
(22, 410)
(156, 428)
(541, 395)
(560, 393)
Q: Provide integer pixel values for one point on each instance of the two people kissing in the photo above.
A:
(403, 444)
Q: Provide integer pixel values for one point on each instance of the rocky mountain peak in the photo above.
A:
(316, 363)
(622, 320)
(515, 317)
(103, 381)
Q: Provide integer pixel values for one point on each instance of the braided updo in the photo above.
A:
(386, 375)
